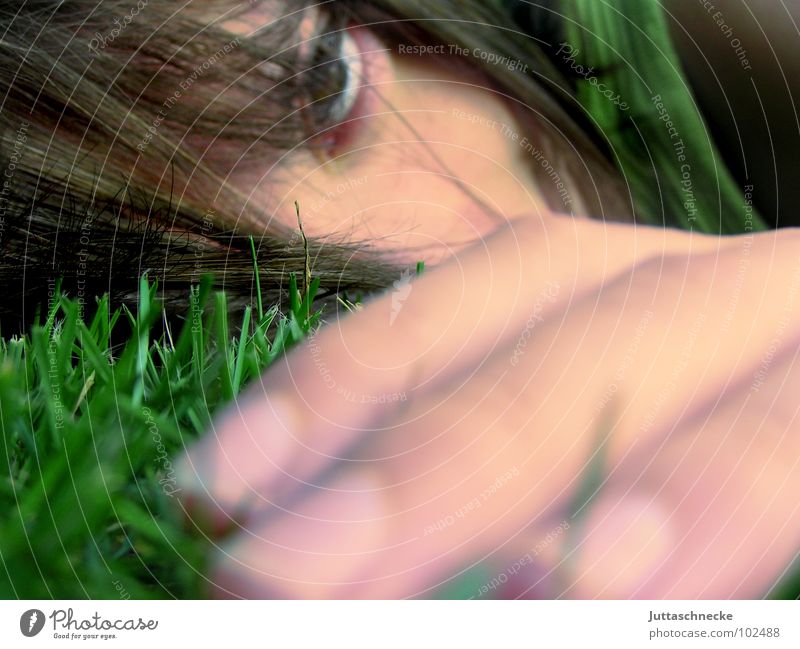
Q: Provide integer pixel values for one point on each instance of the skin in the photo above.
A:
(428, 136)
(551, 347)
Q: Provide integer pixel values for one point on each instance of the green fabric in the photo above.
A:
(627, 44)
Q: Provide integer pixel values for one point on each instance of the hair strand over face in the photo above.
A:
(109, 110)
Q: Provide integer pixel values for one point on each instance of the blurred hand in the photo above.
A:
(567, 409)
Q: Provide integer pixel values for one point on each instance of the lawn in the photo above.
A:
(88, 503)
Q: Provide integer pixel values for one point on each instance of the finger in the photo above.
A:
(710, 511)
(713, 514)
(310, 552)
(325, 393)
(460, 471)
(424, 491)
(319, 398)
(435, 501)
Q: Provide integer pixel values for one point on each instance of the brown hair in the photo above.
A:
(107, 116)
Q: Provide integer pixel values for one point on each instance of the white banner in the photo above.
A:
(400, 624)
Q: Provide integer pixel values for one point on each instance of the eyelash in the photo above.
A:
(328, 82)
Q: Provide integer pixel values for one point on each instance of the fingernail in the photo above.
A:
(626, 539)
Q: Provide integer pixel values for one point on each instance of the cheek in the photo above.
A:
(412, 181)
(461, 110)
(423, 214)
(413, 197)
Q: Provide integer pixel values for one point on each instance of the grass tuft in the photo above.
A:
(87, 487)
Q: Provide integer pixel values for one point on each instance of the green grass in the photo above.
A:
(87, 486)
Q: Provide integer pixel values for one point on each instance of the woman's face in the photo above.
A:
(386, 175)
